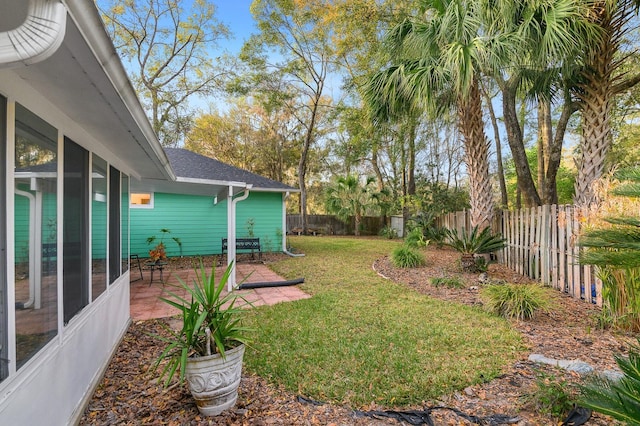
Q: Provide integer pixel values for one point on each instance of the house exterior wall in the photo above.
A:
(53, 384)
(200, 225)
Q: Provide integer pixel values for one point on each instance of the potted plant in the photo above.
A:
(159, 252)
(469, 245)
(208, 349)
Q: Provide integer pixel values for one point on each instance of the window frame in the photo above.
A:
(4, 314)
(142, 206)
(114, 223)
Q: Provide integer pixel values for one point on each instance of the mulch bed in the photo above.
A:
(130, 395)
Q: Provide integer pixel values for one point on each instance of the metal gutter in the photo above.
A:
(37, 38)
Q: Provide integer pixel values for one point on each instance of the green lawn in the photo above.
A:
(363, 339)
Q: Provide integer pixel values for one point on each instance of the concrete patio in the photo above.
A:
(144, 297)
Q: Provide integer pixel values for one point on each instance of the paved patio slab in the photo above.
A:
(144, 295)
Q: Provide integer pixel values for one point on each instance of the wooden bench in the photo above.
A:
(252, 244)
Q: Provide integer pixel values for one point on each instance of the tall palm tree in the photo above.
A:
(436, 63)
(536, 43)
(601, 81)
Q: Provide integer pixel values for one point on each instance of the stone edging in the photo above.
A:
(575, 365)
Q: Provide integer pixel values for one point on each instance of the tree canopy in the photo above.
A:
(417, 94)
(167, 51)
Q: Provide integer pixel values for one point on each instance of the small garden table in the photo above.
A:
(152, 266)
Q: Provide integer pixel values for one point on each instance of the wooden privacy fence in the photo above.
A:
(541, 244)
(331, 225)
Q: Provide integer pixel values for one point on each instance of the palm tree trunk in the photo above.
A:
(476, 156)
(544, 141)
(596, 98)
(601, 84)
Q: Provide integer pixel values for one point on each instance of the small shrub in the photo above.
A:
(436, 234)
(481, 264)
(449, 282)
(389, 232)
(552, 396)
(406, 257)
(621, 291)
(517, 301)
(416, 239)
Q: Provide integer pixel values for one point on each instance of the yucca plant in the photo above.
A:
(619, 399)
(471, 244)
(211, 322)
(406, 257)
(517, 301)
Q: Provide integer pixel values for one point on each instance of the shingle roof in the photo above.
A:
(187, 164)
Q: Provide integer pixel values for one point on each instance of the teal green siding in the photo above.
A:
(200, 225)
(264, 209)
(21, 226)
(21, 223)
(99, 229)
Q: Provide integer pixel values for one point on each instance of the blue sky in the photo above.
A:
(235, 15)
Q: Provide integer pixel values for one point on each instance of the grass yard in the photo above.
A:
(363, 339)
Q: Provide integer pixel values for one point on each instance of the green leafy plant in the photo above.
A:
(351, 197)
(614, 248)
(449, 282)
(436, 234)
(250, 225)
(481, 264)
(388, 232)
(416, 239)
(159, 249)
(473, 243)
(407, 257)
(619, 399)
(552, 395)
(211, 322)
(267, 243)
(621, 293)
(517, 301)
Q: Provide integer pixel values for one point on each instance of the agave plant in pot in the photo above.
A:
(208, 349)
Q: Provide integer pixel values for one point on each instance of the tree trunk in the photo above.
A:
(411, 180)
(601, 82)
(302, 165)
(544, 141)
(526, 185)
(477, 156)
(376, 167)
(596, 97)
(555, 149)
(356, 220)
(504, 199)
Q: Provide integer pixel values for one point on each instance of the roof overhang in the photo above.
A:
(203, 187)
(86, 80)
(282, 190)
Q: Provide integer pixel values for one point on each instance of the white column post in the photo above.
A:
(231, 239)
(284, 220)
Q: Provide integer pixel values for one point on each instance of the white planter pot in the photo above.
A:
(214, 381)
